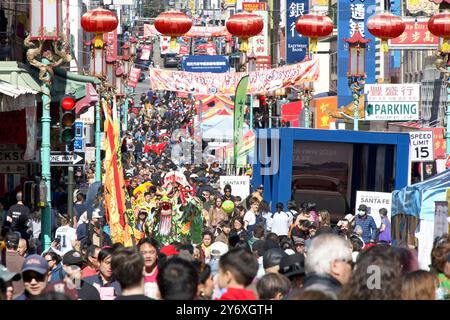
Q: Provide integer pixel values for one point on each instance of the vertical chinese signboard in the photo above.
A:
(352, 13)
(260, 43)
(416, 36)
(133, 79)
(110, 40)
(296, 45)
(324, 107)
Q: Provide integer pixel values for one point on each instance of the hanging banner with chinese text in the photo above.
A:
(196, 31)
(260, 43)
(296, 45)
(133, 79)
(415, 36)
(226, 83)
(110, 40)
(145, 53)
(352, 13)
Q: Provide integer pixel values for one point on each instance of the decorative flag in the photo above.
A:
(239, 110)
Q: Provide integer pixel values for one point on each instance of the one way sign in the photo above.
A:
(59, 158)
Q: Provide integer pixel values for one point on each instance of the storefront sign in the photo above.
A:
(296, 45)
(415, 36)
(388, 102)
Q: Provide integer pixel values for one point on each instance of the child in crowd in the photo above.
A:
(237, 269)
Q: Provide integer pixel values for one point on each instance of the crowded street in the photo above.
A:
(224, 150)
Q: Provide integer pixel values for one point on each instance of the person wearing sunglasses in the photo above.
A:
(35, 276)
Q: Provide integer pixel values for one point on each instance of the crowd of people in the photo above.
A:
(235, 248)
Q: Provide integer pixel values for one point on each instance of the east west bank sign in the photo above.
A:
(392, 102)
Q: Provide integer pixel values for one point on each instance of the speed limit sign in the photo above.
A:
(421, 146)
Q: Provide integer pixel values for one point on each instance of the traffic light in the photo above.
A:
(67, 119)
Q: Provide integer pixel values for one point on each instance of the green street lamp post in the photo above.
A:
(46, 32)
(356, 69)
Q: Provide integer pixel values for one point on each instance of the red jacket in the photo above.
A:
(238, 294)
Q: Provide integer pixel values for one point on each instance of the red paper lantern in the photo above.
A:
(173, 24)
(314, 26)
(439, 25)
(99, 21)
(385, 26)
(245, 25)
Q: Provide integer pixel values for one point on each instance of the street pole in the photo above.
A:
(355, 110)
(125, 115)
(70, 193)
(306, 102)
(45, 160)
(270, 114)
(251, 112)
(447, 113)
(98, 172)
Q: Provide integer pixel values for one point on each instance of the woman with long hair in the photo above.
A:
(419, 285)
(377, 276)
(216, 213)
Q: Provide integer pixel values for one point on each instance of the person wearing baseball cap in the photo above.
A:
(6, 279)
(72, 285)
(35, 276)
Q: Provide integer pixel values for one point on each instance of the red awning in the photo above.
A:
(90, 97)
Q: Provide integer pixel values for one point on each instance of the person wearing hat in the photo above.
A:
(272, 258)
(367, 223)
(6, 279)
(293, 267)
(34, 276)
(299, 245)
(227, 193)
(12, 260)
(72, 285)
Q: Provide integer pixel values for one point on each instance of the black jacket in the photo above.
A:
(324, 283)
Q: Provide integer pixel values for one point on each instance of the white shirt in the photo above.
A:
(268, 217)
(67, 235)
(281, 221)
(250, 217)
(36, 225)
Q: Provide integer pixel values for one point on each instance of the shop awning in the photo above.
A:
(17, 86)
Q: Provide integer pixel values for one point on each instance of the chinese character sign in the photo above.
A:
(416, 34)
(353, 13)
(296, 45)
(260, 43)
(134, 77)
(392, 102)
(110, 40)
